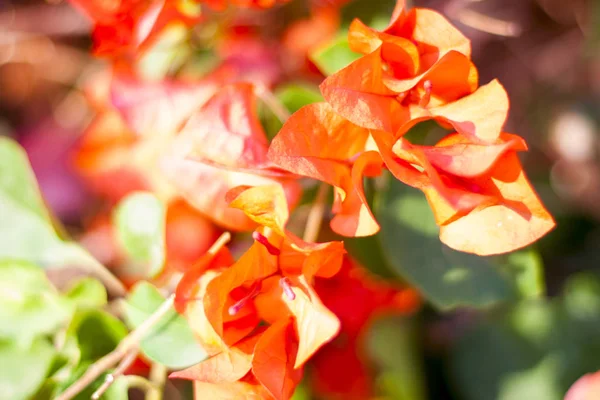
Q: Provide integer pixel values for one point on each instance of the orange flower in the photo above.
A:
(271, 282)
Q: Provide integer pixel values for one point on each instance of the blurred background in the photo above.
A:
(546, 54)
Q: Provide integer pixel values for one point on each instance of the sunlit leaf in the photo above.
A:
(87, 293)
(334, 56)
(29, 305)
(171, 342)
(23, 369)
(140, 222)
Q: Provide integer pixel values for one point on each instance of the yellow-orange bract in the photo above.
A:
(418, 68)
(271, 282)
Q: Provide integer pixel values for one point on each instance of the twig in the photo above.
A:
(158, 377)
(129, 342)
(220, 242)
(110, 378)
(273, 103)
(315, 216)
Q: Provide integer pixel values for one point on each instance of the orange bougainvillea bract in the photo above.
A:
(417, 69)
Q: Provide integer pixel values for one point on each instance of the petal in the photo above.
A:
(452, 77)
(317, 143)
(226, 130)
(230, 391)
(355, 217)
(273, 361)
(228, 366)
(518, 219)
(315, 324)
(468, 159)
(434, 34)
(265, 205)
(479, 116)
(188, 286)
(586, 388)
(158, 108)
(205, 186)
(254, 265)
(357, 93)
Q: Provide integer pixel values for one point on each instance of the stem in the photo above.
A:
(220, 242)
(158, 377)
(88, 263)
(130, 342)
(110, 378)
(273, 103)
(315, 216)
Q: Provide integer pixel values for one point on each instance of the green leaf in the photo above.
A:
(97, 333)
(26, 231)
(294, 96)
(140, 222)
(393, 346)
(447, 278)
(29, 305)
(87, 293)
(23, 370)
(171, 342)
(334, 55)
(534, 350)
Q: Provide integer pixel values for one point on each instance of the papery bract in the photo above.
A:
(223, 146)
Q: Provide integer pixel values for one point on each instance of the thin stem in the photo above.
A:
(273, 103)
(315, 216)
(120, 370)
(130, 342)
(220, 242)
(158, 377)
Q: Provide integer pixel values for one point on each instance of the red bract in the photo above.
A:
(223, 146)
(341, 368)
(125, 28)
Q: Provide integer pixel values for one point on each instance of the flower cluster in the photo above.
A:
(199, 145)
(417, 69)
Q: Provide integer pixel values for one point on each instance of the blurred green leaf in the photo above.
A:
(140, 223)
(29, 305)
(171, 342)
(26, 231)
(393, 346)
(448, 278)
(333, 56)
(534, 350)
(294, 96)
(23, 369)
(97, 333)
(87, 293)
